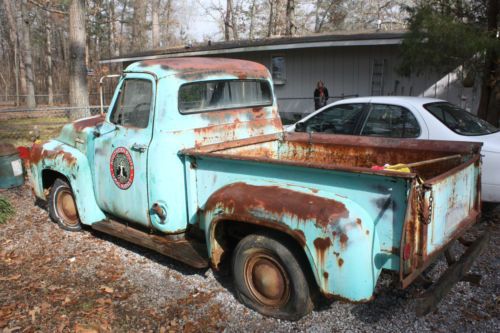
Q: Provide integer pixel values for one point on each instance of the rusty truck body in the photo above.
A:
(191, 160)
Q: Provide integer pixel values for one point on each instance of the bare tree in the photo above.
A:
(48, 30)
(14, 42)
(155, 18)
(27, 56)
(78, 90)
(139, 25)
(290, 18)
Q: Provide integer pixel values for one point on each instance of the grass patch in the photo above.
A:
(6, 210)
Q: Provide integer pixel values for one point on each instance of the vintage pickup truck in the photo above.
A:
(191, 160)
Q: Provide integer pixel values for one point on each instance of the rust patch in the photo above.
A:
(245, 200)
(322, 245)
(80, 125)
(340, 262)
(301, 237)
(325, 275)
(198, 67)
(359, 222)
(367, 232)
(38, 153)
(343, 239)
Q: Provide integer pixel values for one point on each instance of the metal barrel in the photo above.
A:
(11, 167)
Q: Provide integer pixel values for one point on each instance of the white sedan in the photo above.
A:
(411, 117)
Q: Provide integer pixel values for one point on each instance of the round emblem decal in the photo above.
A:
(122, 168)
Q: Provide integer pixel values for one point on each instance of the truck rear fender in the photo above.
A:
(336, 235)
(74, 166)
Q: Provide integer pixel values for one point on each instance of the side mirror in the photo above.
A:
(300, 127)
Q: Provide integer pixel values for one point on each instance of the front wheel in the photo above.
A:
(62, 206)
(269, 278)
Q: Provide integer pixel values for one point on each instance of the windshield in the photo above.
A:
(459, 120)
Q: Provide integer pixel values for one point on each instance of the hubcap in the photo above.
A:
(66, 207)
(267, 280)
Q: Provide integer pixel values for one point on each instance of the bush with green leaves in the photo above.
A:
(6, 210)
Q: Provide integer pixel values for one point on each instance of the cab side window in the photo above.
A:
(339, 119)
(391, 121)
(133, 104)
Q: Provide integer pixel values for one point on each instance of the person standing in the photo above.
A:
(320, 95)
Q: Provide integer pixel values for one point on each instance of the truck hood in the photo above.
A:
(79, 130)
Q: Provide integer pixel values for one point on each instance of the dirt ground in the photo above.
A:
(57, 281)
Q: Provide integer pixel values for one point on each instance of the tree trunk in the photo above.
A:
(14, 42)
(155, 29)
(48, 31)
(78, 91)
(227, 19)
(252, 20)
(20, 43)
(28, 59)
(489, 88)
(113, 50)
(290, 18)
(139, 26)
(271, 18)
(234, 25)
(122, 21)
(167, 23)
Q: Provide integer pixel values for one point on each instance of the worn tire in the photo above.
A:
(62, 206)
(269, 278)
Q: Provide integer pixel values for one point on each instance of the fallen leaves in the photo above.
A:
(107, 289)
(10, 278)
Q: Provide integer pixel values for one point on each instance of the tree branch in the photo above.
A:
(46, 8)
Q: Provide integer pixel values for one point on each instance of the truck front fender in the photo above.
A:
(337, 235)
(72, 164)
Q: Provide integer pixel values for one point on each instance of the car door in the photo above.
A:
(337, 119)
(121, 151)
(391, 121)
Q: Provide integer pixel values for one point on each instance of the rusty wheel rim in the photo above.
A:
(267, 280)
(66, 207)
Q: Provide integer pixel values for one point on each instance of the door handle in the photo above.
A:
(140, 148)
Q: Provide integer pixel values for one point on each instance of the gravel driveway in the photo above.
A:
(57, 281)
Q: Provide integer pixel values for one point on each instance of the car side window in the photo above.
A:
(391, 121)
(338, 119)
(133, 104)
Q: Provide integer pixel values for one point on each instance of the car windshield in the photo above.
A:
(459, 120)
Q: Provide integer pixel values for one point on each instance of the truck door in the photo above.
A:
(121, 150)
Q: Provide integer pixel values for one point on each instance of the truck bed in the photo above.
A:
(322, 187)
(349, 153)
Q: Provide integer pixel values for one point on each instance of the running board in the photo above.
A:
(190, 252)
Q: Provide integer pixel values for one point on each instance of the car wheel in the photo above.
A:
(62, 206)
(269, 278)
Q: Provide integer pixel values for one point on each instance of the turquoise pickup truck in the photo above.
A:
(191, 160)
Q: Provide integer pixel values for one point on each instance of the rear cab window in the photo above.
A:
(218, 95)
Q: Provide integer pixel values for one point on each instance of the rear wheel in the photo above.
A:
(62, 206)
(269, 278)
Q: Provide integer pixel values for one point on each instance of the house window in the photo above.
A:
(278, 69)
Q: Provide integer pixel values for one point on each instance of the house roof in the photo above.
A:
(266, 44)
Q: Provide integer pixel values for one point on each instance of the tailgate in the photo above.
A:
(440, 210)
